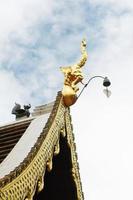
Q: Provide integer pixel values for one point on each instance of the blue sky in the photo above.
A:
(36, 38)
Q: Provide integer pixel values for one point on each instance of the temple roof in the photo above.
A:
(39, 154)
(28, 130)
(10, 135)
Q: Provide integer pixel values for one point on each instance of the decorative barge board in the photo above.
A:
(43, 163)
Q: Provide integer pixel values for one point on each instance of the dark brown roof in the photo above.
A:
(10, 135)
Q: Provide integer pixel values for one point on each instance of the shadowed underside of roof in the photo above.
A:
(59, 183)
(43, 162)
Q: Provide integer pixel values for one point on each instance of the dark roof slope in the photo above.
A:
(10, 135)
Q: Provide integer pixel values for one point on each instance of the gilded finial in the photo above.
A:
(72, 76)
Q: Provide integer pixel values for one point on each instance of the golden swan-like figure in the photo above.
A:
(72, 76)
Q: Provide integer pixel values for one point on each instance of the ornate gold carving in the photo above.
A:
(63, 132)
(57, 148)
(73, 75)
(40, 184)
(24, 180)
(22, 183)
(49, 164)
(75, 166)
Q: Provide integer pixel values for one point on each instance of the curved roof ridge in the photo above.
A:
(4, 180)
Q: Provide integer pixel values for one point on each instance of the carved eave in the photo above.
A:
(28, 177)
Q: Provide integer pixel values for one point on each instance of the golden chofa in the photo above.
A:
(72, 76)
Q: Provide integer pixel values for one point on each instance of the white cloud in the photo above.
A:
(116, 5)
(104, 134)
(36, 38)
(11, 91)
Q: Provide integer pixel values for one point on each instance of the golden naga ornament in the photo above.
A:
(72, 76)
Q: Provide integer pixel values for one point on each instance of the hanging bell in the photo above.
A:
(106, 82)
